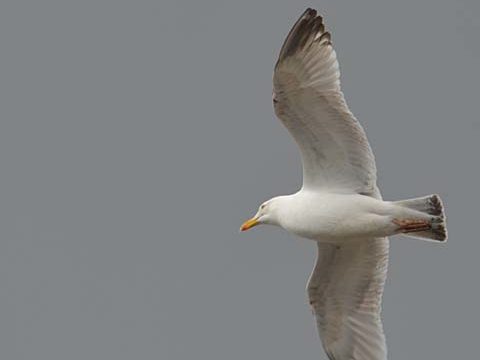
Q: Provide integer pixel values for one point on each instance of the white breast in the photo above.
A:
(330, 217)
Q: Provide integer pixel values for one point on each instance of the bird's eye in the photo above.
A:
(262, 207)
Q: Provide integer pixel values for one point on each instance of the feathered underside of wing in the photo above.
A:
(309, 102)
(345, 291)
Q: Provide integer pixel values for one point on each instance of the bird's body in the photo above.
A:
(339, 205)
(337, 218)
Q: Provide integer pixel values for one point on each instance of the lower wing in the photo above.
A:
(345, 291)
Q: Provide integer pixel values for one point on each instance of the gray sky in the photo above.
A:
(136, 136)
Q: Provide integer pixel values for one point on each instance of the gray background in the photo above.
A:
(136, 136)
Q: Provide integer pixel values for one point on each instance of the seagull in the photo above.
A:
(339, 205)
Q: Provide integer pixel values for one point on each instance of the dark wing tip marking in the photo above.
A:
(326, 35)
(303, 32)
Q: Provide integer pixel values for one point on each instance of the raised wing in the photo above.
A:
(308, 100)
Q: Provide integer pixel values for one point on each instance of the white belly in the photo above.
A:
(337, 217)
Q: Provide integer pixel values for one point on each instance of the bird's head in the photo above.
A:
(267, 214)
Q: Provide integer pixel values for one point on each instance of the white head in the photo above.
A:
(267, 213)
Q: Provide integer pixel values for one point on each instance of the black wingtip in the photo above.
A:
(304, 29)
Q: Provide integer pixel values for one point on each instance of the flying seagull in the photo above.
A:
(339, 205)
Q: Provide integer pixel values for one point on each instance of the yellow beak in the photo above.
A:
(249, 224)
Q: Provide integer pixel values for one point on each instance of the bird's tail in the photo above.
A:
(430, 222)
